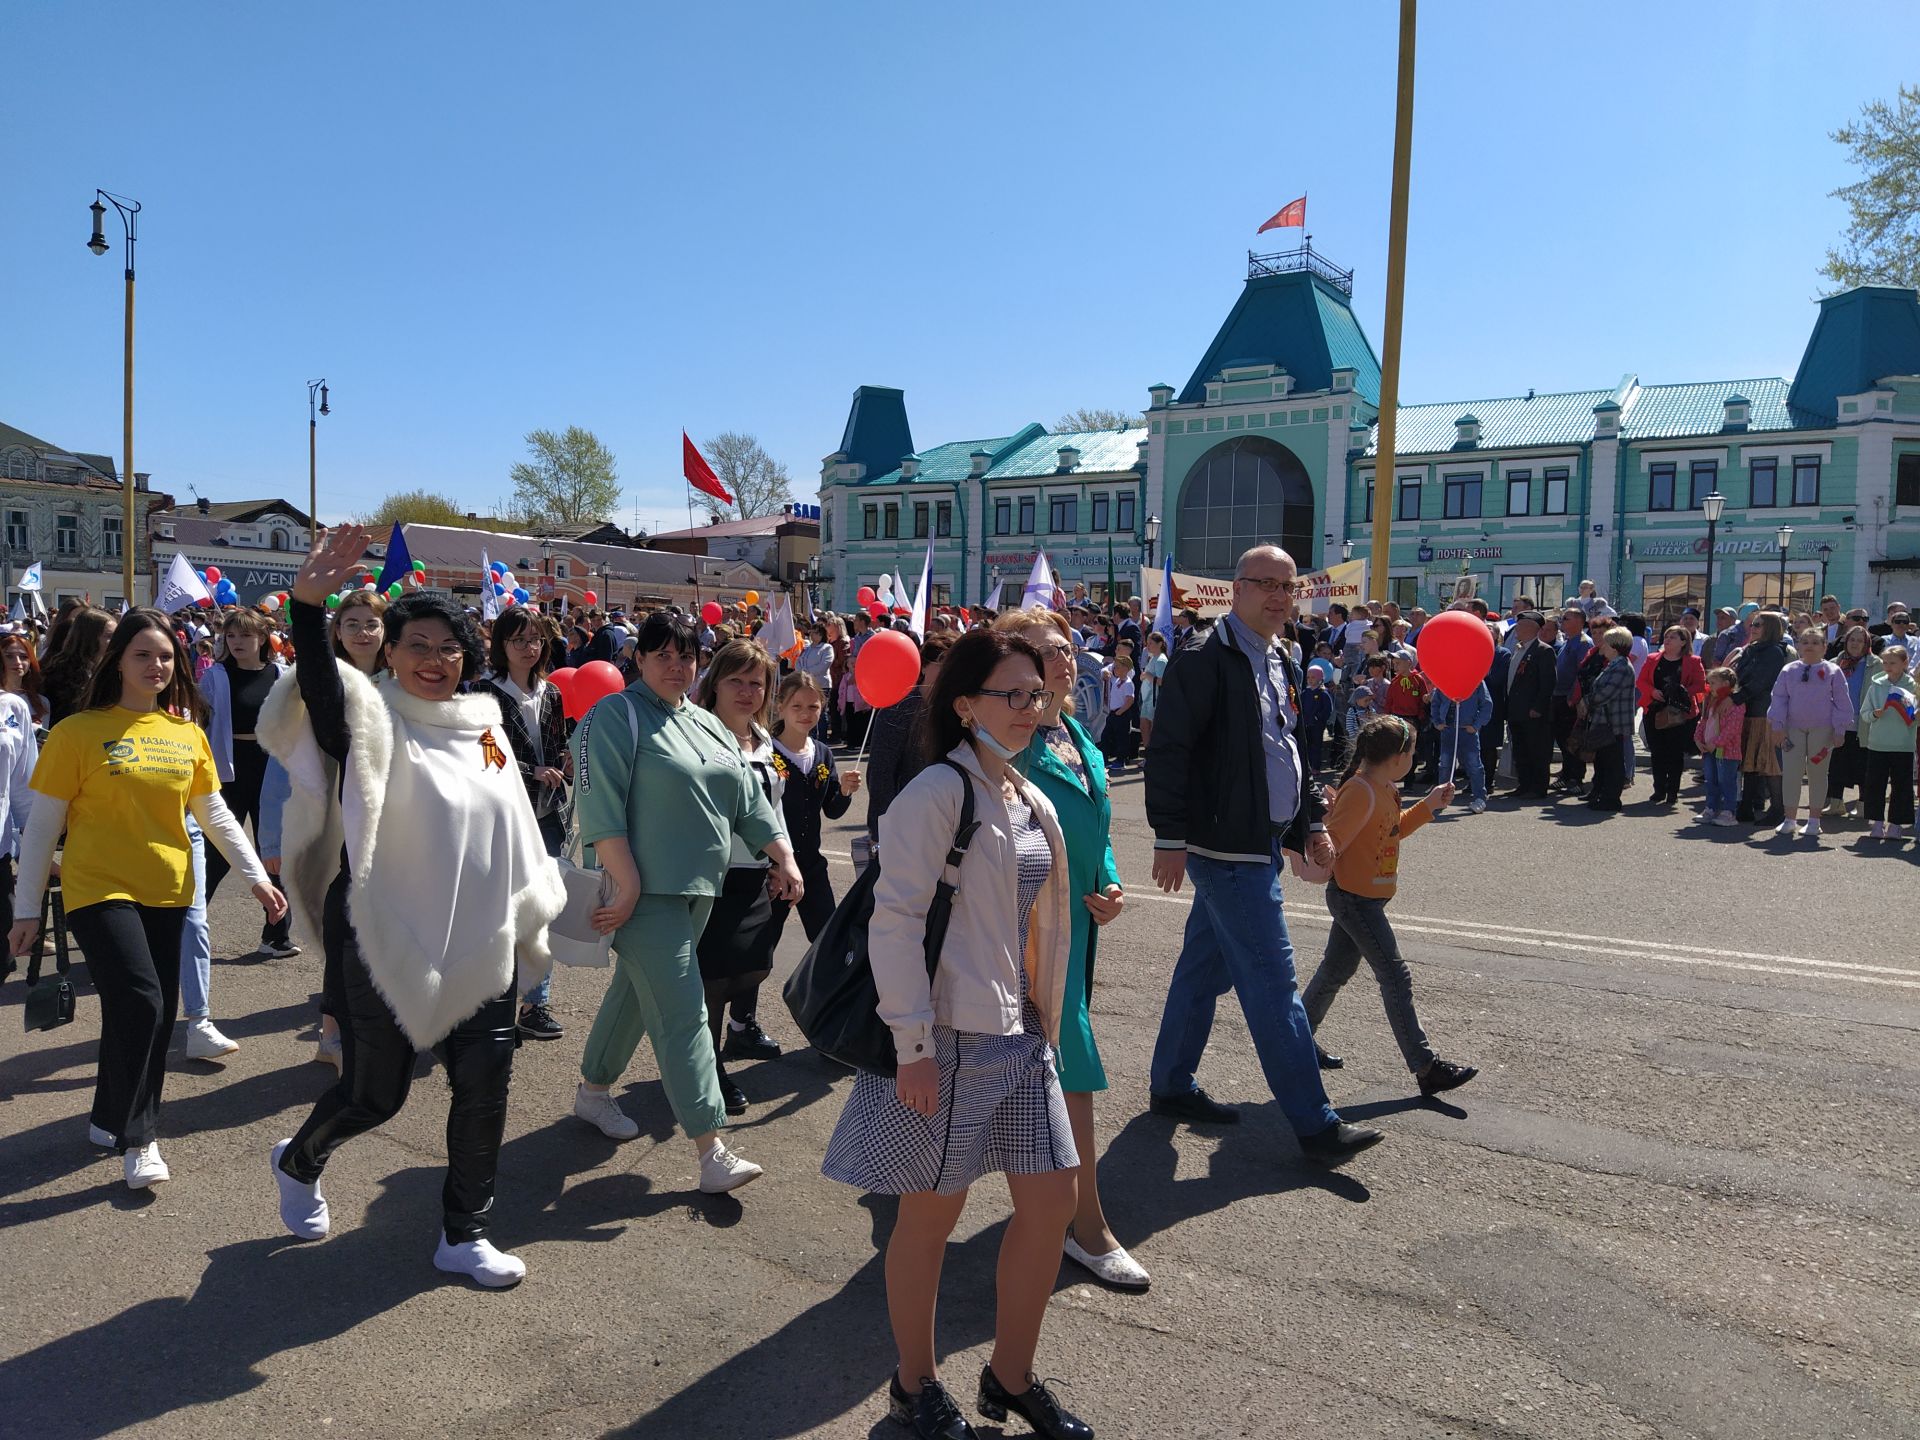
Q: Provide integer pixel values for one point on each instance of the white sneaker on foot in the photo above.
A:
(303, 1209)
(1877, 830)
(1812, 832)
(1115, 1268)
(480, 1263)
(205, 1042)
(1785, 829)
(721, 1170)
(1478, 807)
(144, 1166)
(279, 949)
(1726, 818)
(99, 1137)
(328, 1052)
(598, 1109)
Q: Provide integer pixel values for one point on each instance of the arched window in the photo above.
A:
(1240, 494)
(277, 539)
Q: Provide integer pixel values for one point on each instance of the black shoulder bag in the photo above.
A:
(50, 1000)
(831, 993)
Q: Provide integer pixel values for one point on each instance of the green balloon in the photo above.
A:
(420, 565)
(393, 590)
(333, 602)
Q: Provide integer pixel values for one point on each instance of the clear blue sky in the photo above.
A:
(478, 219)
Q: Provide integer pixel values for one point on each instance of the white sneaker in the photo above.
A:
(328, 1052)
(721, 1170)
(1115, 1268)
(598, 1109)
(480, 1263)
(1812, 832)
(1708, 817)
(1853, 810)
(205, 1042)
(1877, 830)
(144, 1166)
(1478, 807)
(98, 1137)
(1726, 818)
(303, 1209)
(279, 949)
(1786, 829)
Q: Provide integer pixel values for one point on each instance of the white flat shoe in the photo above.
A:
(1116, 1268)
(480, 1263)
(303, 1209)
(600, 1110)
(144, 1167)
(721, 1170)
(205, 1042)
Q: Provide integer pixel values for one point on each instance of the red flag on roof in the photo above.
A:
(1291, 214)
(700, 474)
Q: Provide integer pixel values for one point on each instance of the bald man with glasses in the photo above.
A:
(1226, 793)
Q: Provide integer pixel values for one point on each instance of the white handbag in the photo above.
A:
(571, 936)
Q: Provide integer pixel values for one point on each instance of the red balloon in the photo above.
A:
(887, 668)
(205, 602)
(589, 597)
(865, 596)
(563, 679)
(877, 610)
(213, 575)
(1456, 652)
(712, 613)
(593, 682)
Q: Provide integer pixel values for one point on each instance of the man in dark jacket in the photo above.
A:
(1529, 698)
(1494, 733)
(1226, 791)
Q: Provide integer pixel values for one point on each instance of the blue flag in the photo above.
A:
(1163, 616)
(399, 564)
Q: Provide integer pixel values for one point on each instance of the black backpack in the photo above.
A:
(831, 993)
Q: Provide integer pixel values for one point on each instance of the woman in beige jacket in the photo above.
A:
(976, 1090)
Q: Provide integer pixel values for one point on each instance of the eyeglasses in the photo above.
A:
(361, 627)
(1270, 586)
(420, 652)
(1018, 699)
(1059, 650)
(528, 642)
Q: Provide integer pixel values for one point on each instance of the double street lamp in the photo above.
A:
(314, 387)
(97, 243)
(1785, 538)
(1715, 505)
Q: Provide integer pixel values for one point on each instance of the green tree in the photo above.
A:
(1881, 245)
(760, 483)
(569, 479)
(422, 507)
(1094, 417)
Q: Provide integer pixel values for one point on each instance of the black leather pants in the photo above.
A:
(378, 1073)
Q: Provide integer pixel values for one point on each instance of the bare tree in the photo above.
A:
(1881, 245)
(570, 480)
(1094, 417)
(760, 483)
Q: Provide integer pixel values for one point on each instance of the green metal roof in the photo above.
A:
(1660, 411)
(1562, 419)
(1297, 321)
(1033, 452)
(1347, 345)
(1863, 335)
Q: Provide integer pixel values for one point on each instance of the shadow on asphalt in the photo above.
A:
(1377, 1108)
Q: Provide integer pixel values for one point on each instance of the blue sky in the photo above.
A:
(479, 219)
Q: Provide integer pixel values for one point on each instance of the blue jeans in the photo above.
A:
(196, 946)
(1237, 940)
(1469, 756)
(1723, 783)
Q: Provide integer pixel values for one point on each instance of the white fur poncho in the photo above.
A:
(450, 889)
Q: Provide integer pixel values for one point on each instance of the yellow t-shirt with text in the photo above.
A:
(126, 777)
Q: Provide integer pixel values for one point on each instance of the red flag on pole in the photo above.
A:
(700, 474)
(1291, 214)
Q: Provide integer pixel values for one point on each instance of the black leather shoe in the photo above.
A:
(1196, 1106)
(1328, 1062)
(931, 1414)
(1338, 1141)
(731, 1095)
(1035, 1405)
(1445, 1075)
(750, 1042)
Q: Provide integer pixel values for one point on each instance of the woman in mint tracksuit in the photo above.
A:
(1066, 763)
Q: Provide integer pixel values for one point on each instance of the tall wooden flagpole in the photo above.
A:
(1385, 483)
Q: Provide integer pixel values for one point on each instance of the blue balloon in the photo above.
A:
(520, 596)
(497, 567)
(499, 589)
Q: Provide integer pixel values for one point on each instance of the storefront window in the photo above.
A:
(1763, 588)
(1663, 597)
(1404, 591)
(1547, 592)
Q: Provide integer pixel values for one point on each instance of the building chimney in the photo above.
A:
(206, 505)
(140, 478)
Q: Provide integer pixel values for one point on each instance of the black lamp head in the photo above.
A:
(323, 401)
(98, 243)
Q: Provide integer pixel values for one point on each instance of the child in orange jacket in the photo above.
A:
(1367, 825)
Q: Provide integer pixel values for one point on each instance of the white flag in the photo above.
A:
(489, 602)
(917, 620)
(1039, 587)
(777, 636)
(18, 613)
(181, 588)
(31, 579)
(992, 602)
(900, 594)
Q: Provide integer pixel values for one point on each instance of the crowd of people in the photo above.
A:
(408, 757)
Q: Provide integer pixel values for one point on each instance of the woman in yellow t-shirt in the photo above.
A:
(120, 776)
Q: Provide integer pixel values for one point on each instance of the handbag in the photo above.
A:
(831, 993)
(1668, 716)
(50, 999)
(571, 936)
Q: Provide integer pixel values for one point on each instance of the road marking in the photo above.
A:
(1598, 945)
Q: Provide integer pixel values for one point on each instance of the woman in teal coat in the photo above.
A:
(1063, 760)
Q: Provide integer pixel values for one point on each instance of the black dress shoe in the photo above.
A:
(1328, 1062)
(750, 1042)
(1195, 1106)
(1035, 1405)
(930, 1414)
(1445, 1075)
(731, 1095)
(1338, 1141)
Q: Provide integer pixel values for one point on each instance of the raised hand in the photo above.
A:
(335, 556)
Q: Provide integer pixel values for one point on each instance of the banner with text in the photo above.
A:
(1343, 584)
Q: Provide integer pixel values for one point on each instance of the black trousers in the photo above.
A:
(1609, 775)
(242, 794)
(133, 958)
(1573, 765)
(1532, 754)
(377, 1074)
(1887, 769)
(1491, 739)
(1668, 751)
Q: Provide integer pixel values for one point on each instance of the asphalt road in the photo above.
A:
(1680, 1199)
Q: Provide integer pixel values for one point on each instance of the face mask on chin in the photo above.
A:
(981, 734)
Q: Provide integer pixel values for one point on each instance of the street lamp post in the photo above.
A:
(813, 579)
(97, 243)
(1153, 537)
(1346, 550)
(314, 388)
(1785, 538)
(546, 575)
(1715, 505)
(1826, 555)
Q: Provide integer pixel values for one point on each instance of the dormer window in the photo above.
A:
(909, 467)
(1736, 408)
(1343, 378)
(1606, 420)
(1160, 396)
(1069, 456)
(1467, 430)
(981, 460)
